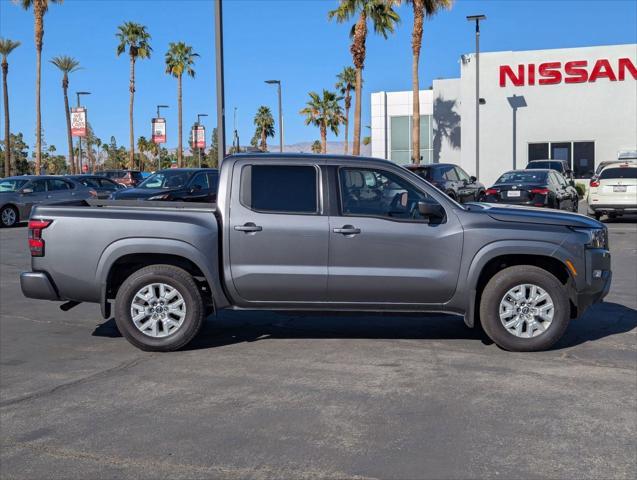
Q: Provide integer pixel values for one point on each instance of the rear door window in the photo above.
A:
(280, 188)
(56, 184)
(200, 181)
(38, 185)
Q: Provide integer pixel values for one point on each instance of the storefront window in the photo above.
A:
(400, 142)
(579, 155)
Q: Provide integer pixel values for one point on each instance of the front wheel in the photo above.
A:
(159, 308)
(524, 308)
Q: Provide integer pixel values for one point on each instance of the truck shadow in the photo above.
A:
(230, 327)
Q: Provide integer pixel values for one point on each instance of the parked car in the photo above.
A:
(614, 191)
(176, 184)
(561, 166)
(534, 188)
(296, 232)
(18, 195)
(128, 178)
(102, 185)
(452, 180)
(603, 165)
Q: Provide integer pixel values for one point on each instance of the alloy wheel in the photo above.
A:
(526, 311)
(158, 310)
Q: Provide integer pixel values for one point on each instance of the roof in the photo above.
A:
(413, 166)
(305, 156)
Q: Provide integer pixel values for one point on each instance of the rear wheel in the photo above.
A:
(8, 216)
(524, 308)
(576, 205)
(159, 308)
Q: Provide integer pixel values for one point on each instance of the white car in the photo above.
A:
(614, 191)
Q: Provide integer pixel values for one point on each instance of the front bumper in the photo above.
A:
(38, 285)
(598, 277)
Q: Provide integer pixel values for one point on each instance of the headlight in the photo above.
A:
(163, 196)
(597, 237)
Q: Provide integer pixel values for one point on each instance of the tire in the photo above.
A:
(481, 197)
(497, 291)
(452, 196)
(173, 330)
(575, 206)
(9, 216)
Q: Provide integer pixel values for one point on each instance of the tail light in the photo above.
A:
(36, 243)
(594, 183)
(490, 191)
(540, 191)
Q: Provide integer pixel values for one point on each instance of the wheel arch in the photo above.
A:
(123, 257)
(500, 255)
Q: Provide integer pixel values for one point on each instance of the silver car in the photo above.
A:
(18, 195)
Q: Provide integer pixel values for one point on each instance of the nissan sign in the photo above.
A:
(576, 71)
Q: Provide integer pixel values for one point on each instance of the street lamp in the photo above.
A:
(221, 119)
(79, 160)
(199, 115)
(477, 19)
(161, 106)
(278, 83)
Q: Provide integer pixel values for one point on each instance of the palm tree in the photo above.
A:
(6, 47)
(40, 7)
(134, 37)
(264, 121)
(384, 19)
(422, 9)
(324, 112)
(316, 146)
(179, 60)
(346, 82)
(67, 65)
(142, 147)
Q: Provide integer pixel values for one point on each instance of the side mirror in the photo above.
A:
(26, 191)
(473, 179)
(428, 210)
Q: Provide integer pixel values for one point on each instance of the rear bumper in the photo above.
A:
(597, 282)
(38, 285)
(616, 208)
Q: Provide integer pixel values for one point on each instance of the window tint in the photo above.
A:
(561, 180)
(57, 184)
(38, 185)
(387, 196)
(108, 184)
(461, 174)
(436, 174)
(200, 180)
(620, 172)
(213, 181)
(521, 176)
(280, 188)
(449, 173)
(137, 176)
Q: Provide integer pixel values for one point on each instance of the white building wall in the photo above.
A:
(398, 104)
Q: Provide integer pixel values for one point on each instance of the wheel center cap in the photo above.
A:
(525, 310)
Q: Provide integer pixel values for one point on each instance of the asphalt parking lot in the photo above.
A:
(316, 396)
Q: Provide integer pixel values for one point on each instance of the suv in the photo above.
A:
(614, 191)
(175, 184)
(452, 180)
(561, 166)
(128, 178)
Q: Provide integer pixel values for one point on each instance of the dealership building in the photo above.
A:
(575, 104)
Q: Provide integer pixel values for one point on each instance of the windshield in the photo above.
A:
(166, 179)
(522, 177)
(12, 185)
(559, 166)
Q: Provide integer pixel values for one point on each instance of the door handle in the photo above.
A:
(248, 227)
(347, 230)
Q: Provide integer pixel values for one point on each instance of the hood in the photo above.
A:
(141, 193)
(544, 216)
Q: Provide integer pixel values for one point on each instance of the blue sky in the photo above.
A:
(287, 39)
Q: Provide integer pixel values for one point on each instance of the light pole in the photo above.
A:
(278, 83)
(199, 115)
(159, 149)
(476, 19)
(79, 160)
(221, 119)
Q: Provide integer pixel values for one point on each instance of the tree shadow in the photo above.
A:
(232, 327)
(446, 126)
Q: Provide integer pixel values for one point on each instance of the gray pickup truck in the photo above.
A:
(314, 232)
